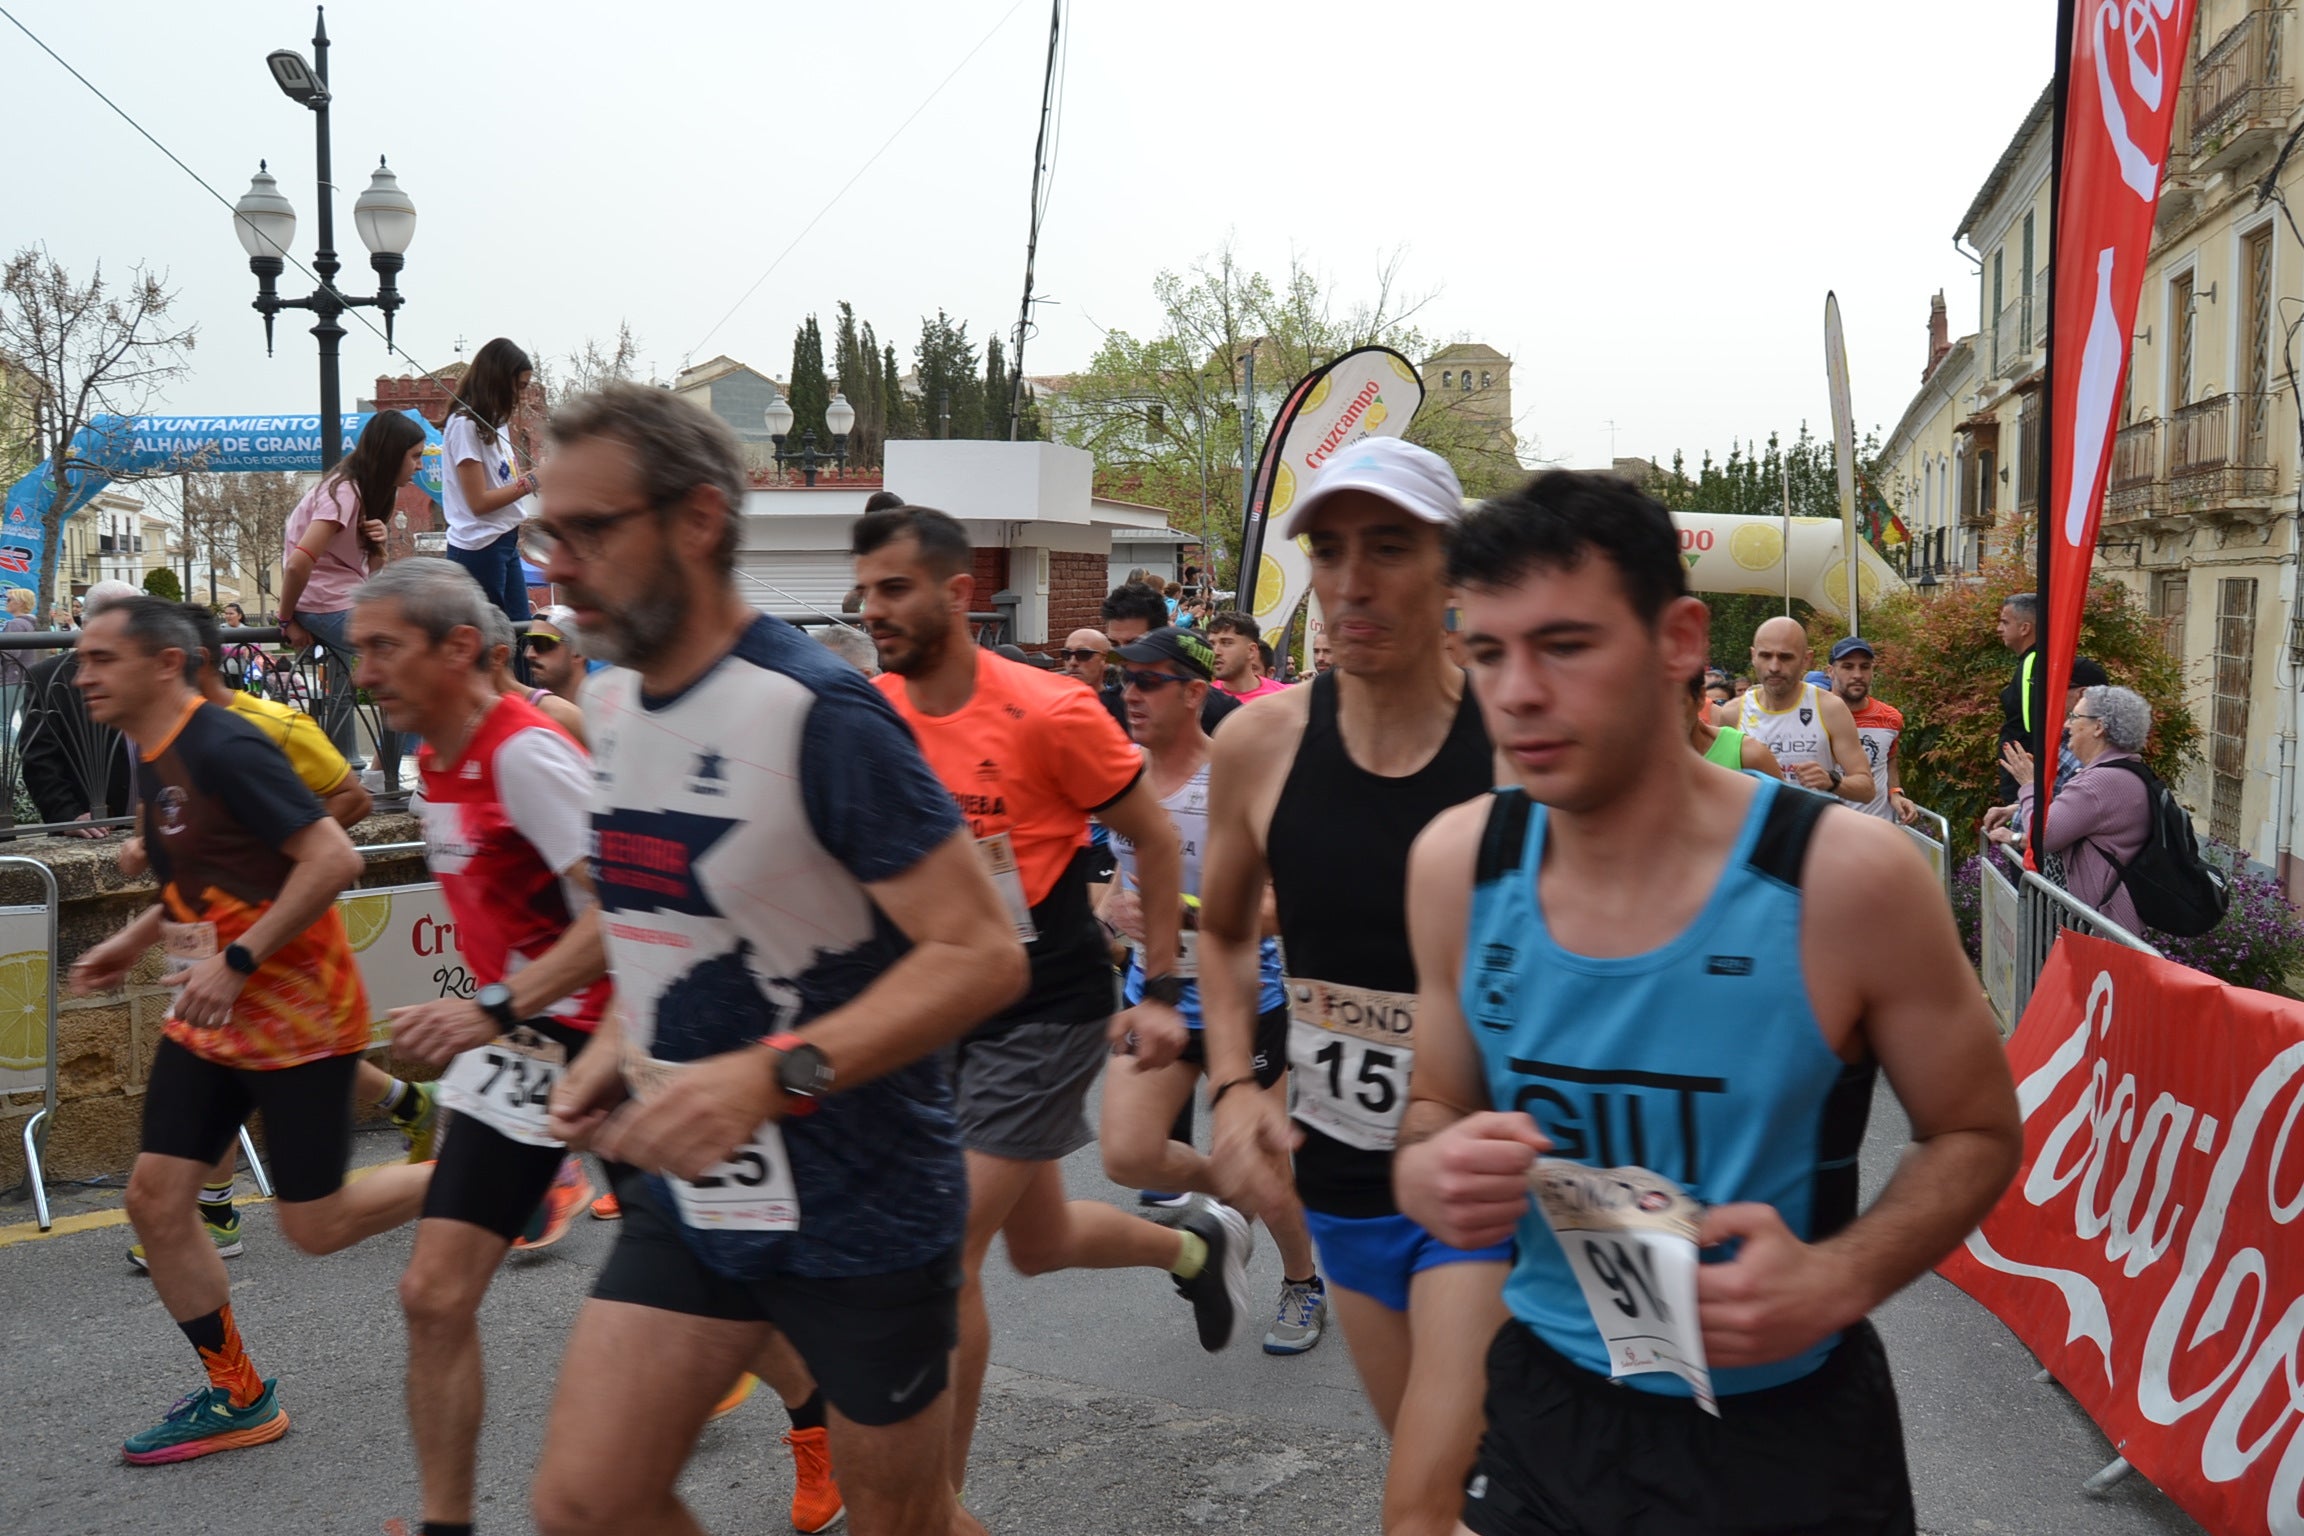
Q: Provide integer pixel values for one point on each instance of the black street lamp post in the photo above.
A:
(839, 416)
(266, 225)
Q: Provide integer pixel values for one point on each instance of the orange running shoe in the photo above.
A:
(571, 1190)
(816, 1502)
(746, 1384)
(607, 1208)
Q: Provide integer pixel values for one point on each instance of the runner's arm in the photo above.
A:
(1233, 881)
(322, 863)
(1754, 753)
(1461, 1171)
(1139, 817)
(1918, 1010)
(349, 802)
(1847, 748)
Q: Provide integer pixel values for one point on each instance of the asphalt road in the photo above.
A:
(1101, 1414)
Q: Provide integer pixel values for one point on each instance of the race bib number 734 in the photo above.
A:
(507, 1084)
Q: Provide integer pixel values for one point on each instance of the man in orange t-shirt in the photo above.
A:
(1028, 757)
(269, 1014)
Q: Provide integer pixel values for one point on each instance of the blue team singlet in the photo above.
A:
(1700, 1060)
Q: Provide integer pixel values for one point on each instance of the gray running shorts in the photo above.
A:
(1021, 1091)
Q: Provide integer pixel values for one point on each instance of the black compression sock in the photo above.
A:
(810, 1414)
(446, 1528)
(1312, 1280)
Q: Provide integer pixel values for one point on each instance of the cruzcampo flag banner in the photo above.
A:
(111, 447)
(1369, 390)
(2118, 69)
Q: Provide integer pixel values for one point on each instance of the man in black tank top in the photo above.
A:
(1323, 790)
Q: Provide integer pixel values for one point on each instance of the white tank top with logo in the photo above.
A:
(1795, 735)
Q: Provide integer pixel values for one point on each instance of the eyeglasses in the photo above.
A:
(2076, 715)
(543, 645)
(584, 533)
(1083, 654)
(1150, 682)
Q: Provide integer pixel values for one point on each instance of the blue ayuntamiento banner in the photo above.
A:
(112, 446)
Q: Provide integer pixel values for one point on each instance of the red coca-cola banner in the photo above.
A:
(2150, 1252)
(2116, 106)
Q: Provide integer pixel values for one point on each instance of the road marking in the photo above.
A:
(117, 1216)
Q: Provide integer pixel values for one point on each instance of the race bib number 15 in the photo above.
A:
(1350, 1052)
(1630, 1237)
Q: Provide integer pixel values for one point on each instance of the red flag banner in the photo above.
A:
(2149, 1251)
(2116, 108)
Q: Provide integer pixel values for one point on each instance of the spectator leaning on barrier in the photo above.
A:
(66, 755)
(12, 663)
(2101, 819)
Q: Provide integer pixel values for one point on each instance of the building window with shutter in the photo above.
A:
(2228, 733)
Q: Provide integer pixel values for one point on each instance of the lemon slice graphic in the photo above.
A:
(1269, 581)
(24, 1010)
(1757, 546)
(365, 919)
(1283, 490)
(1317, 393)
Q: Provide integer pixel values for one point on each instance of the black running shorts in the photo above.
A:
(1270, 1063)
(193, 1108)
(486, 1178)
(1566, 1453)
(879, 1345)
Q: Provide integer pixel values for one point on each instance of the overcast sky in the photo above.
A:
(1642, 203)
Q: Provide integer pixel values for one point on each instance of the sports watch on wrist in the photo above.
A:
(238, 960)
(1837, 774)
(802, 1071)
(1164, 988)
(495, 1000)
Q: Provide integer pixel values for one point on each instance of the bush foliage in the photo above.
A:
(1941, 663)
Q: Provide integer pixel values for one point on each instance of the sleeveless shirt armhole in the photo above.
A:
(1506, 835)
(1782, 846)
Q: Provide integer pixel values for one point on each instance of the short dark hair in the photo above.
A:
(943, 542)
(1135, 600)
(1264, 655)
(1233, 622)
(1557, 521)
(211, 633)
(882, 501)
(158, 625)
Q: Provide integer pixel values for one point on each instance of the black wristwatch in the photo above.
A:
(238, 959)
(495, 1000)
(1837, 773)
(802, 1070)
(1164, 988)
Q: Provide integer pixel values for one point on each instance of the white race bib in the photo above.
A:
(185, 945)
(753, 1191)
(1630, 1238)
(1187, 956)
(1350, 1051)
(999, 856)
(507, 1084)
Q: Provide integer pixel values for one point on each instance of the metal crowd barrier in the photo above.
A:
(1933, 835)
(2024, 911)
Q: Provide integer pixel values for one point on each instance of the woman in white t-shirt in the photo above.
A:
(481, 490)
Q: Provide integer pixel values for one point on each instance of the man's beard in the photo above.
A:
(927, 649)
(644, 629)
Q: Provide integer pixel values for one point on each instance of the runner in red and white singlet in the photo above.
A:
(504, 796)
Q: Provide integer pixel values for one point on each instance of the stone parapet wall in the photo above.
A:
(104, 1043)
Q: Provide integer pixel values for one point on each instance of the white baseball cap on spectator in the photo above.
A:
(1416, 480)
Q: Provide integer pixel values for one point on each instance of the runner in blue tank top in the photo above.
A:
(1633, 961)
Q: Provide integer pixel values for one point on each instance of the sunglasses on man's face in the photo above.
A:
(1149, 682)
(1083, 654)
(543, 645)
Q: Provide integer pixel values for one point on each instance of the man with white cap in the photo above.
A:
(556, 654)
(1321, 790)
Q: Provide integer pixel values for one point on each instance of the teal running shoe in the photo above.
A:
(205, 1423)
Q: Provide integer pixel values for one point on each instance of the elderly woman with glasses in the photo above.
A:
(2100, 820)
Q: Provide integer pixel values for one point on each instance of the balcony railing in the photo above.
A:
(2136, 488)
(2020, 332)
(2239, 98)
(2219, 450)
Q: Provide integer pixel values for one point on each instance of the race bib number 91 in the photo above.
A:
(1350, 1051)
(1630, 1237)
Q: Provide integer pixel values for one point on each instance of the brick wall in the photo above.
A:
(990, 569)
(1076, 593)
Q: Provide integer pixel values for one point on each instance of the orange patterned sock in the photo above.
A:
(217, 1338)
